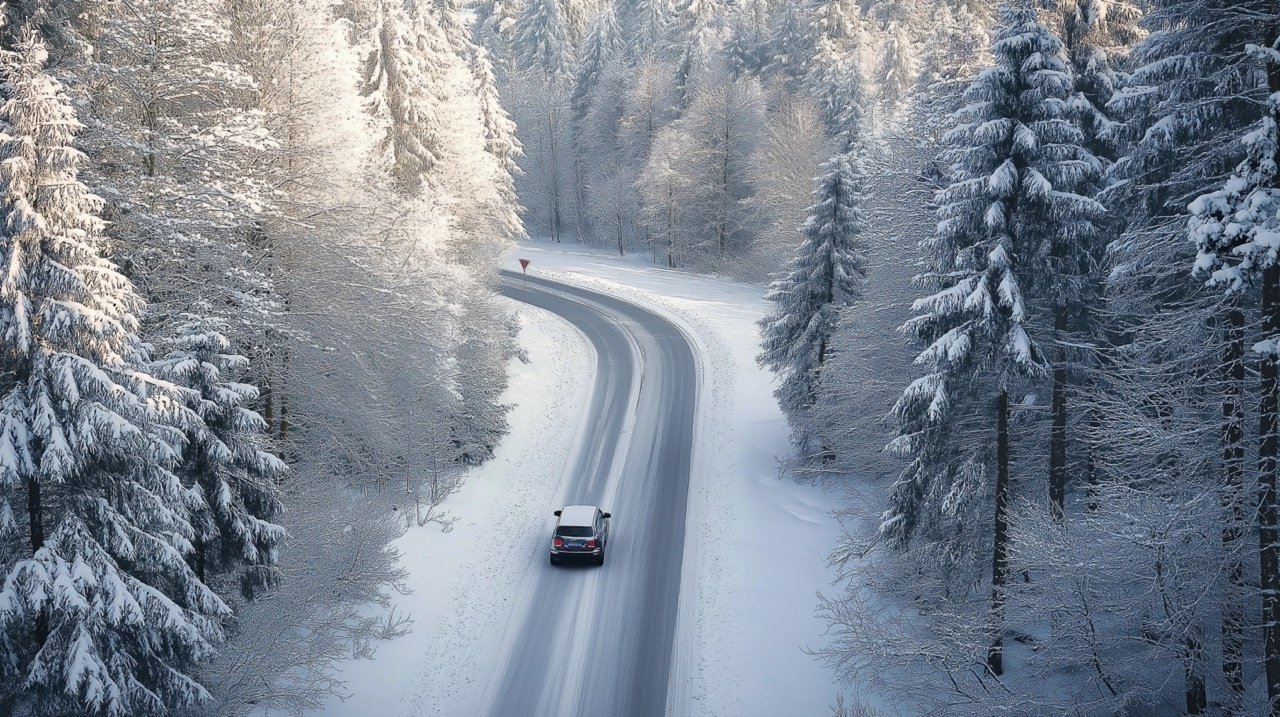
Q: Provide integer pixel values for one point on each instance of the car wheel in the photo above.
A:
(600, 560)
(555, 560)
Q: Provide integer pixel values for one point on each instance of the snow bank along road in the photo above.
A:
(598, 641)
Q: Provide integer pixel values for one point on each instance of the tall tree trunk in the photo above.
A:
(201, 550)
(1058, 430)
(1233, 509)
(1000, 553)
(722, 225)
(553, 159)
(1268, 552)
(671, 228)
(1197, 698)
(579, 192)
(35, 517)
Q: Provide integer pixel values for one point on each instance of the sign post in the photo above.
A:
(524, 269)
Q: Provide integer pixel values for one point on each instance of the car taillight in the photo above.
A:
(557, 542)
(591, 544)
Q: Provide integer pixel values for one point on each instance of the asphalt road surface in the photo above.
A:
(598, 641)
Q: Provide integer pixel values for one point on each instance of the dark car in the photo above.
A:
(582, 532)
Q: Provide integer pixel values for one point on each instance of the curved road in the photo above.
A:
(598, 641)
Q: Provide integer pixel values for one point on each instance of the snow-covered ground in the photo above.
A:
(756, 542)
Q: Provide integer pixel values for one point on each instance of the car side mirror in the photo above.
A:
(608, 515)
(557, 514)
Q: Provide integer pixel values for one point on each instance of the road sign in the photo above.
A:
(524, 265)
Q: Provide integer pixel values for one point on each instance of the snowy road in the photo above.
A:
(598, 641)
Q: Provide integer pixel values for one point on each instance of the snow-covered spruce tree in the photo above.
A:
(1237, 233)
(182, 158)
(100, 614)
(1097, 35)
(1194, 92)
(1005, 206)
(402, 76)
(826, 276)
(898, 67)
(225, 461)
(542, 49)
(695, 17)
(748, 37)
(836, 84)
(791, 46)
(647, 24)
(603, 45)
(501, 142)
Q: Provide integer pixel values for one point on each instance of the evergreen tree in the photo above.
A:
(648, 24)
(1194, 92)
(1092, 30)
(183, 158)
(747, 46)
(1014, 158)
(542, 40)
(826, 276)
(791, 47)
(500, 141)
(693, 17)
(542, 48)
(101, 615)
(225, 461)
(836, 84)
(604, 43)
(1237, 233)
(403, 75)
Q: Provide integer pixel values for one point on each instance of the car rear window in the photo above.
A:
(574, 531)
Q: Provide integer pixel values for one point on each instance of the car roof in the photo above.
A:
(578, 515)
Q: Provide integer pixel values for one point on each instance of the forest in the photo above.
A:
(1028, 304)
(236, 233)
(1022, 259)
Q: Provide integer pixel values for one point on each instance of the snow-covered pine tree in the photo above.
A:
(183, 158)
(604, 44)
(543, 49)
(500, 141)
(899, 66)
(791, 46)
(837, 19)
(836, 84)
(403, 75)
(1089, 33)
(225, 461)
(825, 276)
(647, 24)
(748, 37)
(542, 40)
(1014, 159)
(1194, 92)
(100, 614)
(693, 17)
(1237, 233)
(1098, 35)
